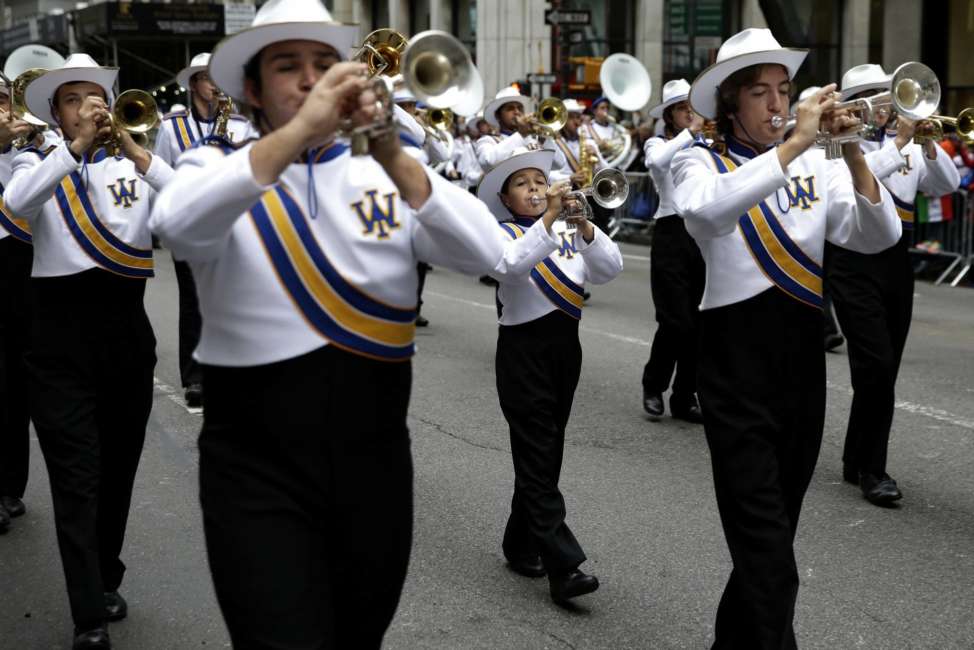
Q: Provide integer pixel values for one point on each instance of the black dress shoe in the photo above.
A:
(653, 404)
(13, 506)
(879, 490)
(194, 395)
(489, 281)
(566, 586)
(585, 296)
(530, 567)
(832, 341)
(95, 639)
(115, 606)
(686, 408)
(422, 322)
(4, 520)
(850, 474)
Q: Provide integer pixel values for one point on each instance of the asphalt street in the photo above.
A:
(639, 494)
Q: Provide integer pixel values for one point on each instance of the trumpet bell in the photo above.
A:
(625, 82)
(382, 52)
(440, 118)
(965, 124)
(552, 114)
(135, 111)
(610, 189)
(914, 91)
(438, 70)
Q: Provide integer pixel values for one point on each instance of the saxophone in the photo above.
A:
(224, 106)
(587, 159)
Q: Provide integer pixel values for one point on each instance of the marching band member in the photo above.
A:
(873, 294)
(16, 255)
(760, 214)
(179, 131)
(676, 267)
(304, 257)
(600, 127)
(90, 374)
(512, 115)
(539, 357)
(434, 149)
(569, 143)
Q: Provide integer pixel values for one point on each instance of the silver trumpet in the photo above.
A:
(609, 189)
(914, 92)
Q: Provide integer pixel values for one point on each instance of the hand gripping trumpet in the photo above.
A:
(932, 128)
(914, 93)
(436, 68)
(609, 188)
(134, 111)
(18, 104)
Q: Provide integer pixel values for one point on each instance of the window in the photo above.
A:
(692, 33)
(812, 24)
(463, 16)
(611, 29)
(419, 16)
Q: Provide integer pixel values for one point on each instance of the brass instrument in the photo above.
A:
(437, 69)
(224, 107)
(18, 104)
(914, 93)
(933, 127)
(551, 116)
(628, 86)
(134, 111)
(709, 130)
(382, 52)
(609, 189)
(587, 159)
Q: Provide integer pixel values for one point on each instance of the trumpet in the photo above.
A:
(134, 111)
(382, 52)
(551, 116)
(609, 189)
(18, 104)
(436, 68)
(914, 93)
(933, 127)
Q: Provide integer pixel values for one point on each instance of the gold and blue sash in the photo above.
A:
(183, 131)
(569, 156)
(776, 253)
(334, 307)
(17, 227)
(906, 211)
(551, 280)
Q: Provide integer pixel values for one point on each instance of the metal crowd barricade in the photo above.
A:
(956, 238)
(635, 217)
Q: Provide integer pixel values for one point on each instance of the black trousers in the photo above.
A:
(90, 364)
(600, 216)
(16, 259)
(538, 364)
(190, 324)
(873, 297)
(422, 268)
(762, 389)
(828, 314)
(677, 278)
(306, 488)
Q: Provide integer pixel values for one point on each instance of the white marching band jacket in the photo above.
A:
(907, 171)
(758, 225)
(543, 271)
(327, 255)
(659, 153)
(179, 131)
(12, 225)
(492, 149)
(84, 214)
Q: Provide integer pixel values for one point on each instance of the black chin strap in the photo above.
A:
(750, 141)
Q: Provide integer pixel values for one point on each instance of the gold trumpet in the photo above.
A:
(382, 52)
(134, 111)
(18, 104)
(552, 116)
(933, 127)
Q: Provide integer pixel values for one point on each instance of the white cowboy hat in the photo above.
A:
(805, 94)
(39, 96)
(198, 64)
(276, 21)
(490, 185)
(574, 106)
(506, 96)
(750, 47)
(473, 120)
(868, 76)
(674, 92)
(403, 94)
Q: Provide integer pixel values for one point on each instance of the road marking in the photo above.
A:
(909, 407)
(174, 395)
(641, 258)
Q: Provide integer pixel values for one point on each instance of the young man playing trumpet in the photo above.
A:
(92, 349)
(305, 261)
(873, 294)
(760, 214)
(512, 115)
(179, 131)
